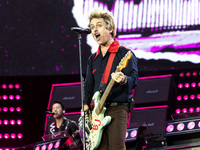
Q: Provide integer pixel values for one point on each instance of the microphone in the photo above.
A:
(81, 30)
(49, 112)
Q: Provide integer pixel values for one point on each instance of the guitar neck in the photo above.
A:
(104, 96)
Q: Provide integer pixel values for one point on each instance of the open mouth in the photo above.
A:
(97, 36)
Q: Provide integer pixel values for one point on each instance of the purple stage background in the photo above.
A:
(36, 36)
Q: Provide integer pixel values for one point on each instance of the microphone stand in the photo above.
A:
(81, 78)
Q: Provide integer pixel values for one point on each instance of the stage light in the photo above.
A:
(181, 74)
(18, 97)
(18, 109)
(192, 97)
(191, 110)
(6, 135)
(57, 144)
(198, 109)
(188, 74)
(20, 136)
(50, 146)
(182, 126)
(19, 122)
(198, 96)
(191, 125)
(37, 148)
(194, 73)
(13, 136)
(1, 136)
(178, 111)
(179, 98)
(180, 85)
(5, 109)
(43, 147)
(185, 97)
(187, 85)
(6, 122)
(17, 86)
(11, 97)
(10, 86)
(4, 97)
(193, 84)
(0, 122)
(12, 122)
(199, 84)
(12, 109)
(184, 110)
(4, 86)
(131, 134)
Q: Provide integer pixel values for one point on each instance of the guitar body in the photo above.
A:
(99, 122)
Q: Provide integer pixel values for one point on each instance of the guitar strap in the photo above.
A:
(106, 73)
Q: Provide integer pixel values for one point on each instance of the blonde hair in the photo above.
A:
(107, 17)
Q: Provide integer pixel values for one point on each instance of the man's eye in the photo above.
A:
(92, 27)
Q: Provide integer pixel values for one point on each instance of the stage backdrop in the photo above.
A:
(36, 36)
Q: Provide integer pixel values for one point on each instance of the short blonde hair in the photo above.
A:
(107, 16)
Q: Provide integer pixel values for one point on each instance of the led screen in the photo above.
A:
(36, 36)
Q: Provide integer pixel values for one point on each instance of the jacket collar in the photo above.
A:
(113, 48)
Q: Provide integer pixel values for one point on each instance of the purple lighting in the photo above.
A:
(6, 122)
(184, 110)
(5, 109)
(198, 96)
(43, 147)
(191, 125)
(170, 128)
(18, 97)
(192, 97)
(179, 98)
(185, 97)
(17, 86)
(6, 135)
(10, 86)
(4, 86)
(180, 126)
(133, 133)
(13, 136)
(11, 97)
(178, 111)
(57, 144)
(19, 122)
(4, 97)
(180, 85)
(12, 122)
(50, 146)
(187, 85)
(198, 109)
(191, 110)
(18, 109)
(181, 74)
(188, 74)
(37, 148)
(19, 135)
(193, 84)
(12, 109)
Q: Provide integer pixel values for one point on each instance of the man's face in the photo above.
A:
(99, 31)
(57, 109)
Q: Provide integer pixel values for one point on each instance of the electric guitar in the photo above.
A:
(98, 122)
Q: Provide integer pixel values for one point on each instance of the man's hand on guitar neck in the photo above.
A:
(118, 77)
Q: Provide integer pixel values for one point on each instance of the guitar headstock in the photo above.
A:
(124, 61)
